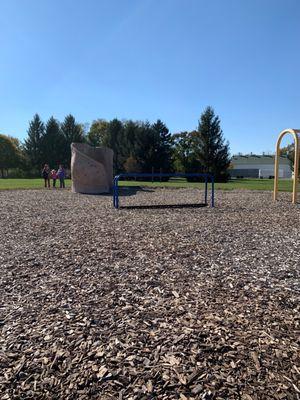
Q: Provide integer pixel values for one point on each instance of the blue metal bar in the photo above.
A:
(116, 192)
(159, 175)
(212, 191)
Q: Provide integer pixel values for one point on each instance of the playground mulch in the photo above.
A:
(195, 303)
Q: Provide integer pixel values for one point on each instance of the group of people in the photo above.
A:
(48, 174)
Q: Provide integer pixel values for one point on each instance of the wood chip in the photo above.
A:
(192, 304)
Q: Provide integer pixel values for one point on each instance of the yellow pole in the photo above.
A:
(294, 132)
(276, 168)
(296, 169)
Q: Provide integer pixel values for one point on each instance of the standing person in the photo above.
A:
(61, 173)
(53, 176)
(46, 175)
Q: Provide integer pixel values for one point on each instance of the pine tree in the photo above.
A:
(72, 133)
(211, 149)
(114, 139)
(164, 151)
(33, 143)
(131, 131)
(53, 143)
(147, 146)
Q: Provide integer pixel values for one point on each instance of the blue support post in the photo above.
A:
(212, 191)
(205, 199)
(114, 193)
(117, 191)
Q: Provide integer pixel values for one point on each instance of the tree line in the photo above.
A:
(139, 146)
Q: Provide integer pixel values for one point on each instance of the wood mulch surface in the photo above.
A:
(195, 303)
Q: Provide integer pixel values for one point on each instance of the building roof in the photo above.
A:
(258, 159)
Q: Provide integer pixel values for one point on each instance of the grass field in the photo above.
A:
(250, 184)
(26, 183)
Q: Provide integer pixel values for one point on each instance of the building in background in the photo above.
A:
(259, 166)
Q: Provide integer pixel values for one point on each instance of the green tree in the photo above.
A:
(72, 132)
(114, 139)
(211, 149)
(53, 143)
(147, 145)
(164, 150)
(129, 141)
(33, 144)
(97, 132)
(131, 165)
(184, 153)
(10, 153)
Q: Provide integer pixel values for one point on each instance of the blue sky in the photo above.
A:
(149, 59)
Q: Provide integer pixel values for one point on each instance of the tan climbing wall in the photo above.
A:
(91, 169)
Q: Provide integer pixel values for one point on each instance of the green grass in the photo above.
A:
(250, 184)
(26, 183)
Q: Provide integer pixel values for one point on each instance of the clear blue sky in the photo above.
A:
(149, 59)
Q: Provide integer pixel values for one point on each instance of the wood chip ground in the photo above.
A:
(182, 304)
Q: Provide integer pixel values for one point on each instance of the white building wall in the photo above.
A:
(266, 170)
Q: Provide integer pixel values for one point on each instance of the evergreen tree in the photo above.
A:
(33, 143)
(53, 144)
(72, 133)
(114, 139)
(164, 151)
(131, 131)
(147, 147)
(211, 150)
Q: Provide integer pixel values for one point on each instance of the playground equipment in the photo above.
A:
(207, 178)
(91, 169)
(295, 133)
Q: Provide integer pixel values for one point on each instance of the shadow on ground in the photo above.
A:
(156, 206)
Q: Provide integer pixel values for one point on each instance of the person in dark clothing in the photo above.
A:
(61, 173)
(46, 175)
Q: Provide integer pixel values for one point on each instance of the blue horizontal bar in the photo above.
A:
(158, 175)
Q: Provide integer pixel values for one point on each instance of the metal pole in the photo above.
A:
(117, 192)
(296, 169)
(295, 133)
(114, 189)
(212, 191)
(205, 201)
(276, 167)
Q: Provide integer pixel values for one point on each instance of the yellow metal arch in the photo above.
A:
(295, 133)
